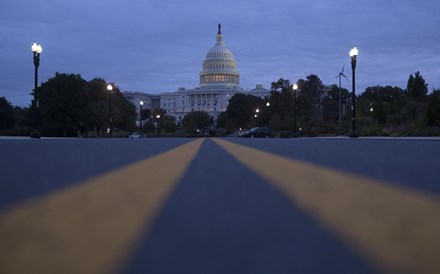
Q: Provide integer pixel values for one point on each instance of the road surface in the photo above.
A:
(165, 205)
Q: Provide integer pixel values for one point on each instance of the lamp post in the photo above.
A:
(353, 53)
(141, 103)
(110, 88)
(158, 124)
(295, 88)
(37, 50)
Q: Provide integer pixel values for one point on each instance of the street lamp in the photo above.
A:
(158, 124)
(295, 88)
(37, 50)
(110, 88)
(141, 103)
(353, 53)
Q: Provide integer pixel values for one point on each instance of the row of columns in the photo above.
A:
(219, 78)
(204, 99)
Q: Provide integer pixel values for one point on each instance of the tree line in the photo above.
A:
(380, 110)
(72, 106)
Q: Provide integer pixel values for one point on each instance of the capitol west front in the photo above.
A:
(219, 81)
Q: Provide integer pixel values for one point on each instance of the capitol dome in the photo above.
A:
(219, 66)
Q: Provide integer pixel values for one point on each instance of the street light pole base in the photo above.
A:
(354, 135)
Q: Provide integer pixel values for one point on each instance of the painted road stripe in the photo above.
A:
(91, 227)
(396, 228)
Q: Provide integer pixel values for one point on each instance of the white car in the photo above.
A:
(134, 135)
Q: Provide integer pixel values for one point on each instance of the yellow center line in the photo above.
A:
(91, 227)
(396, 228)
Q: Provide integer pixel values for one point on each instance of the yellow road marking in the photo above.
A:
(93, 226)
(396, 228)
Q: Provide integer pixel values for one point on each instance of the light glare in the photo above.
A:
(354, 51)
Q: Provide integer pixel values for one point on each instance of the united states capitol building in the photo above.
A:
(219, 81)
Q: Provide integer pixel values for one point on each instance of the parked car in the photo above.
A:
(134, 135)
(237, 133)
(258, 132)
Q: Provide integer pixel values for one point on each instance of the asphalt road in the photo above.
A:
(164, 205)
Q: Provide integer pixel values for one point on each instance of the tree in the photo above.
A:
(69, 104)
(310, 105)
(282, 101)
(21, 116)
(281, 84)
(330, 104)
(275, 122)
(242, 107)
(149, 125)
(97, 110)
(123, 112)
(63, 103)
(417, 89)
(191, 127)
(7, 119)
(386, 105)
(169, 124)
(222, 119)
(433, 109)
(200, 119)
(310, 97)
(229, 126)
(378, 112)
(145, 114)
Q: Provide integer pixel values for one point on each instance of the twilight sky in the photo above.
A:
(159, 45)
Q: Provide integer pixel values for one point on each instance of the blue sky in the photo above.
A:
(159, 45)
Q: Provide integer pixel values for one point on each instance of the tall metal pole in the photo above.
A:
(36, 49)
(353, 54)
(158, 124)
(110, 88)
(294, 115)
(110, 114)
(295, 88)
(35, 133)
(140, 118)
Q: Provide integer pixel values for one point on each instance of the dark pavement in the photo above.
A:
(166, 205)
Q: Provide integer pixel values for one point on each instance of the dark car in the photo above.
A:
(257, 132)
